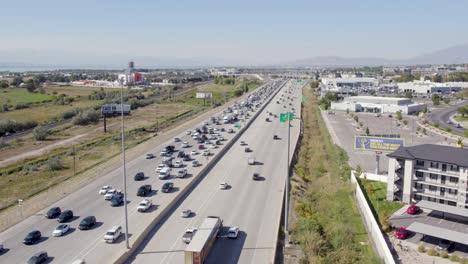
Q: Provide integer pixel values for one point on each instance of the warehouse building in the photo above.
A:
(428, 87)
(376, 104)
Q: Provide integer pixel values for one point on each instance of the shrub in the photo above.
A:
(432, 252)
(22, 106)
(8, 126)
(70, 113)
(356, 118)
(465, 133)
(443, 254)
(463, 261)
(437, 124)
(54, 164)
(405, 122)
(424, 131)
(86, 118)
(448, 129)
(421, 249)
(40, 133)
(454, 258)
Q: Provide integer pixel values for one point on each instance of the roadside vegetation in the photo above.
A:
(327, 223)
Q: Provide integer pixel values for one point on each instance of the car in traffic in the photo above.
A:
(117, 199)
(188, 132)
(178, 164)
(61, 230)
(195, 163)
(139, 176)
(185, 145)
(247, 150)
(242, 143)
(38, 258)
(230, 131)
(186, 213)
(144, 205)
(187, 158)
(401, 233)
(150, 156)
(194, 152)
(109, 194)
(223, 186)
(32, 237)
(113, 234)
(413, 210)
(53, 212)
(188, 235)
(275, 137)
(167, 187)
(233, 232)
(176, 139)
(251, 161)
(256, 176)
(87, 223)
(206, 152)
(160, 167)
(65, 216)
(144, 190)
(104, 189)
(181, 173)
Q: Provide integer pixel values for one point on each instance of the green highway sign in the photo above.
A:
(284, 117)
(299, 81)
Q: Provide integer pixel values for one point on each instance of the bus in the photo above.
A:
(203, 240)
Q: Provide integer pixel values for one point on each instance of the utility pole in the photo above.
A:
(123, 164)
(286, 193)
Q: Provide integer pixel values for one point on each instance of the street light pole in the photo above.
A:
(286, 194)
(123, 164)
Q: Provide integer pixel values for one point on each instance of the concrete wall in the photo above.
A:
(391, 178)
(408, 181)
(371, 225)
(374, 177)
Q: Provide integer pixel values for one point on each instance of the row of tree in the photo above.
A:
(463, 110)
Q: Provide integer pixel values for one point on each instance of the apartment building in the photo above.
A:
(429, 172)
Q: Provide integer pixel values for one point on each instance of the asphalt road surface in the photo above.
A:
(89, 244)
(253, 206)
(442, 115)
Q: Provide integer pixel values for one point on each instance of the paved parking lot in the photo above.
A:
(345, 128)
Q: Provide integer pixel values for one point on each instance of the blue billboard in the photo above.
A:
(372, 143)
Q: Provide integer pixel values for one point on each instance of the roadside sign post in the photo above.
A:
(288, 116)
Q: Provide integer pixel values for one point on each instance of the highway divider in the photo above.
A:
(196, 179)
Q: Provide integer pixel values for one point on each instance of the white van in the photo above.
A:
(164, 173)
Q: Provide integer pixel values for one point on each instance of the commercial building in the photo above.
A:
(349, 82)
(428, 87)
(429, 173)
(376, 104)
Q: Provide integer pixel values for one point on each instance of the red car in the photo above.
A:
(401, 233)
(201, 147)
(413, 209)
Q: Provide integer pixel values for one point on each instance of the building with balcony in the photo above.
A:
(427, 172)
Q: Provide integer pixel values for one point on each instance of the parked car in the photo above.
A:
(144, 205)
(186, 213)
(87, 223)
(139, 176)
(32, 237)
(144, 190)
(113, 234)
(413, 209)
(53, 212)
(104, 189)
(38, 258)
(401, 233)
(65, 216)
(233, 232)
(167, 187)
(445, 245)
(61, 230)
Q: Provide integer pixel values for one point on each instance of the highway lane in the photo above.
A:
(442, 115)
(87, 201)
(254, 207)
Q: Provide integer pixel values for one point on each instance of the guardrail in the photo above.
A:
(127, 254)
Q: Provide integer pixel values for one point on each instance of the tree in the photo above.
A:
(436, 99)
(4, 84)
(463, 110)
(424, 110)
(437, 78)
(16, 81)
(356, 118)
(409, 95)
(446, 100)
(30, 85)
(40, 133)
(398, 115)
(367, 131)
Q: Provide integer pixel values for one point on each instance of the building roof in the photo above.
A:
(203, 235)
(437, 153)
(443, 208)
(439, 232)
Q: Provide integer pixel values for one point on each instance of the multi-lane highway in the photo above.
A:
(442, 116)
(89, 244)
(253, 206)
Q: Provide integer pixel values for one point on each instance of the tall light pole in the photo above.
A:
(286, 194)
(124, 175)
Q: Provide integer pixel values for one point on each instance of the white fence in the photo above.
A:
(371, 224)
(374, 177)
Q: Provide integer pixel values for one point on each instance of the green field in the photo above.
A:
(21, 96)
(461, 118)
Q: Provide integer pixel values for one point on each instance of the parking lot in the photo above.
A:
(345, 128)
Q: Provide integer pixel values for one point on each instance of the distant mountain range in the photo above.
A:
(34, 59)
(453, 55)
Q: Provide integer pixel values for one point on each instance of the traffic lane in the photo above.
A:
(154, 251)
(84, 206)
(442, 115)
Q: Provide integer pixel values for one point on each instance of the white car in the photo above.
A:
(185, 145)
(176, 139)
(181, 173)
(178, 164)
(233, 232)
(188, 132)
(223, 186)
(110, 193)
(195, 163)
(113, 234)
(160, 167)
(242, 143)
(61, 230)
(188, 235)
(206, 152)
(144, 205)
(104, 189)
(186, 213)
(194, 152)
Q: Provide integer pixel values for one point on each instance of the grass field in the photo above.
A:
(461, 118)
(21, 96)
(328, 225)
(377, 193)
(74, 90)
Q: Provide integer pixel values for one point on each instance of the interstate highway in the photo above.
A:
(89, 244)
(253, 206)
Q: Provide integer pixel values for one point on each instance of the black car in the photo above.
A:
(87, 223)
(39, 257)
(167, 187)
(144, 190)
(187, 158)
(32, 237)
(139, 176)
(117, 199)
(65, 216)
(53, 212)
(275, 137)
(256, 176)
(181, 154)
(248, 150)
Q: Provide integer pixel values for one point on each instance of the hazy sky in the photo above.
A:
(240, 31)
